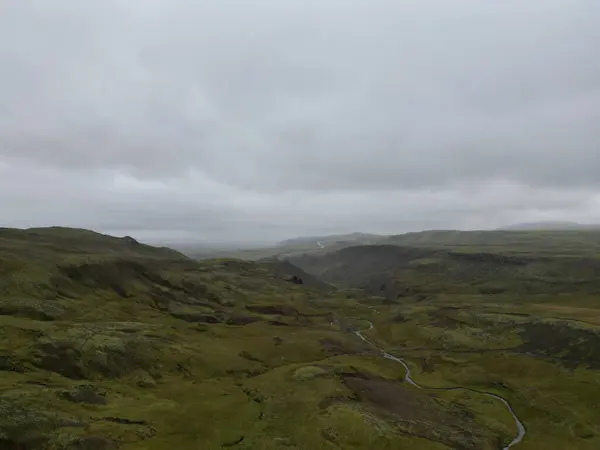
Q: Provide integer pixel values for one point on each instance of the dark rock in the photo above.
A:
(61, 357)
(330, 435)
(184, 370)
(196, 317)
(293, 279)
(285, 270)
(146, 382)
(124, 421)
(280, 310)
(9, 364)
(399, 318)
(85, 393)
(242, 320)
(246, 355)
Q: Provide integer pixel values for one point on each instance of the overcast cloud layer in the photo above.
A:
(266, 119)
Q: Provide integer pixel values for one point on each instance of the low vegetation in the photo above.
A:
(106, 343)
(511, 313)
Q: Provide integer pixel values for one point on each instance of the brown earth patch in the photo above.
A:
(394, 398)
(568, 345)
(419, 413)
(242, 320)
(85, 393)
(443, 318)
(273, 310)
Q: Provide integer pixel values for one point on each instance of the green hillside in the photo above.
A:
(510, 312)
(551, 242)
(106, 343)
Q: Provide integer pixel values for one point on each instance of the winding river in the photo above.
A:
(407, 377)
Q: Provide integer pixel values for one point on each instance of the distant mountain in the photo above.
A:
(283, 249)
(551, 226)
(353, 237)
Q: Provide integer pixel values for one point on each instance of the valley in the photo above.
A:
(323, 225)
(283, 249)
(107, 343)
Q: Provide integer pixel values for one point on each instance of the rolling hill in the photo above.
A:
(106, 343)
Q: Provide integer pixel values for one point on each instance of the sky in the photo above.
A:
(255, 121)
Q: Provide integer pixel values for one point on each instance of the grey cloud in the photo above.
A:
(257, 120)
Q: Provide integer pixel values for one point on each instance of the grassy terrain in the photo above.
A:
(398, 271)
(540, 357)
(523, 242)
(106, 343)
(512, 313)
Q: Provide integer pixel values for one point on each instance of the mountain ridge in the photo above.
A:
(550, 225)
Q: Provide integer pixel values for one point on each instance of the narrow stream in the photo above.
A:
(407, 377)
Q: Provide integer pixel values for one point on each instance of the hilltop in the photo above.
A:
(74, 242)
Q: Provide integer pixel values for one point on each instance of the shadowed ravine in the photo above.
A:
(407, 377)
